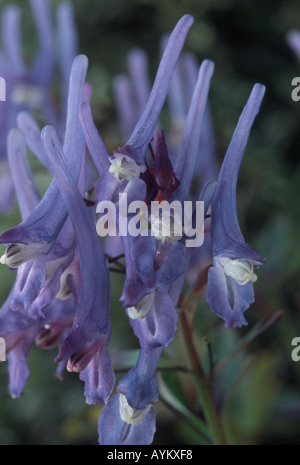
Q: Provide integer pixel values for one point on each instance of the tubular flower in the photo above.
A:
(43, 245)
(37, 233)
(90, 333)
(30, 87)
(129, 416)
(230, 279)
(18, 327)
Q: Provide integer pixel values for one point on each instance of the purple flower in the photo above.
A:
(37, 233)
(20, 332)
(86, 344)
(19, 328)
(129, 416)
(43, 245)
(131, 93)
(230, 279)
(29, 87)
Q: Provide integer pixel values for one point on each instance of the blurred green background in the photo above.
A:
(246, 41)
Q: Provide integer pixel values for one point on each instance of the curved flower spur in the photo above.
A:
(230, 279)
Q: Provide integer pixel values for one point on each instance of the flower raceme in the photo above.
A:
(143, 198)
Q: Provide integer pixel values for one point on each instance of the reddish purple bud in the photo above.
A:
(163, 169)
(80, 360)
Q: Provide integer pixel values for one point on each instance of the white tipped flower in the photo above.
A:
(240, 270)
(129, 414)
(16, 254)
(124, 167)
(142, 308)
(23, 94)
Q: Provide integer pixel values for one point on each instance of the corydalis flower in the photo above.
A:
(230, 279)
(129, 416)
(37, 233)
(29, 87)
(86, 344)
(42, 246)
(19, 328)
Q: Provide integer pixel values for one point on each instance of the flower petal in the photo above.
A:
(11, 38)
(143, 132)
(189, 148)
(99, 377)
(228, 299)
(227, 238)
(158, 327)
(25, 188)
(114, 431)
(93, 311)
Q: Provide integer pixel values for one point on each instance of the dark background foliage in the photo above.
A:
(246, 40)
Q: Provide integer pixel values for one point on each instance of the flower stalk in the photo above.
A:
(203, 385)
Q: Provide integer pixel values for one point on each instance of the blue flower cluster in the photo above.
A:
(61, 296)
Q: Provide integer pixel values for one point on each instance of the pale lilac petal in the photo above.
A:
(25, 188)
(189, 148)
(93, 312)
(226, 234)
(43, 66)
(158, 327)
(143, 132)
(113, 431)
(99, 377)
(96, 146)
(125, 105)
(67, 42)
(32, 133)
(228, 299)
(11, 38)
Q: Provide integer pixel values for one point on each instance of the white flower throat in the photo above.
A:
(124, 167)
(239, 269)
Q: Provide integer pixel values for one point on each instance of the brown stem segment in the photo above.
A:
(205, 393)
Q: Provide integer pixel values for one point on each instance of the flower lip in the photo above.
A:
(142, 308)
(16, 254)
(124, 167)
(239, 269)
(80, 359)
(130, 415)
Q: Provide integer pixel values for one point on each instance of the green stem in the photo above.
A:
(205, 393)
